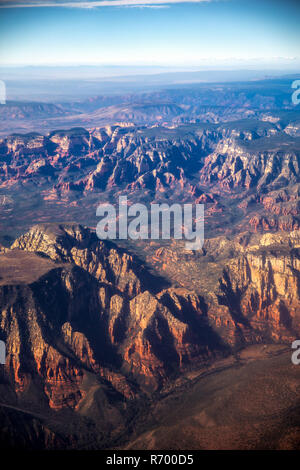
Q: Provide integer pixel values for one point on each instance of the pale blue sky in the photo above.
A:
(221, 32)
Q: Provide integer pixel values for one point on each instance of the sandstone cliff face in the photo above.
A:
(237, 164)
(248, 168)
(159, 341)
(88, 310)
(116, 156)
(247, 287)
(81, 324)
(54, 330)
(261, 288)
(79, 160)
(75, 244)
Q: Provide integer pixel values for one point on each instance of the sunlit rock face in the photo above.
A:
(92, 329)
(245, 172)
(74, 305)
(81, 304)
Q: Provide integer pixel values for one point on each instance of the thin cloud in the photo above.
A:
(96, 4)
(146, 6)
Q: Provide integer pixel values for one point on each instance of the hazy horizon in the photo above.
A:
(176, 33)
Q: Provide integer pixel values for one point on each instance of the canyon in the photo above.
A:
(122, 344)
(91, 333)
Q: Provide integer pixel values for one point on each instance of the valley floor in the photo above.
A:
(247, 401)
(250, 401)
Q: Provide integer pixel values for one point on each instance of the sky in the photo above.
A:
(206, 33)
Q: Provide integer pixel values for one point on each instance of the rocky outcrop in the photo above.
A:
(54, 330)
(76, 244)
(80, 321)
(238, 164)
(250, 166)
(247, 286)
(83, 308)
(90, 309)
(261, 291)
